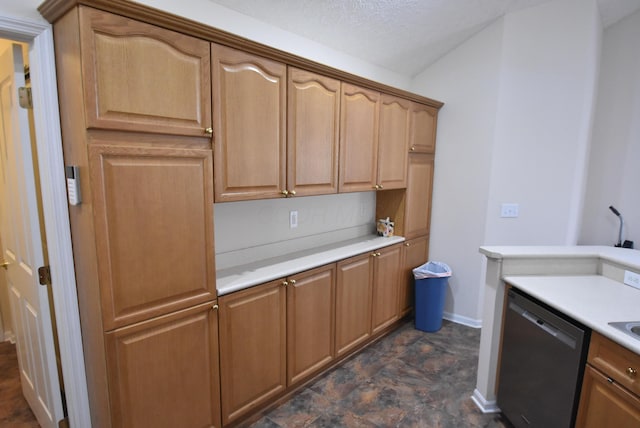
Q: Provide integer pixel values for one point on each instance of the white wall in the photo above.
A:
(547, 86)
(515, 128)
(256, 230)
(614, 169)
(468, 79)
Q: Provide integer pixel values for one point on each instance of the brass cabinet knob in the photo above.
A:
(413, 149)
(215, 307)
(374, 255)
(378, 254)
(285, 283)
(406, 244)
(292, 192)
(632, 372)
(208, 131)
(292, 281)
(380, 186)
(284, 192)
(4, 265)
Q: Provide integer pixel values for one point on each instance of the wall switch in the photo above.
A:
(632, 279)
(509, 210)
(293, 219)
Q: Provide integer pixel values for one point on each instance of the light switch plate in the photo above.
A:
(509, 210)
(293, 219)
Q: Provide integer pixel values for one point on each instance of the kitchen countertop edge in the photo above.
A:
(592, 300)
(248, 275)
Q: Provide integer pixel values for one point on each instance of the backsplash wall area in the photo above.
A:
(248, 231)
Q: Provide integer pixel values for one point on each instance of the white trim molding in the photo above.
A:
(484, 405)
(459, 319)
(39, 35)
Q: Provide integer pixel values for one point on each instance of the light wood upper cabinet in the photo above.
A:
(138, 77)
(414, 253)
(353, 302)
(249, 113)
(253, 336)
(312, 138)
(164, 372)
(393, 142)
(423, 128)
(386, 275)
(417, 213)
(359, 114)
(153, 211)
(310, 322)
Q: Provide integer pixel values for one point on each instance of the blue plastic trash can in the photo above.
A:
(430, 292)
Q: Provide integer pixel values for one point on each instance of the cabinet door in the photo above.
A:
(252, 348)
(353, 302)
(418, 201)
(423, 128)
(604, 403)
(393, 142)
(358, 139)
(415, 253)
(153, 213)
(386, 274)
(164, 372)
(138, 77)
(310, 322)
(249, 109)
(312, 139)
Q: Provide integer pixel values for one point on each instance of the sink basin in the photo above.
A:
(632, 328)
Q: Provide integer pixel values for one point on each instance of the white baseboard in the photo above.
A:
(9, 336)
(484, 405)
(459, 319)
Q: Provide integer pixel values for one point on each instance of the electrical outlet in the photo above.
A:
(509, 210)
(293, 219)
(632, 279)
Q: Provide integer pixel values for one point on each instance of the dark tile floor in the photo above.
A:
(408, 379)
(14, 409)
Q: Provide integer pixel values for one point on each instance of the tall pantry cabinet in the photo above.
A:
(143, 232)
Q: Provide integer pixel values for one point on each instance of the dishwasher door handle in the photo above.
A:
(543, 325)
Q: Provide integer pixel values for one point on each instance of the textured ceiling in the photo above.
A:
(404, 36)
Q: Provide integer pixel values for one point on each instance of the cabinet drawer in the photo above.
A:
(615, 361)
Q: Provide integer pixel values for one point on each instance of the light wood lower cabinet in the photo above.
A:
(414, 253)
(605, 404)
(252, 348)
(353, 302)
(164, 372)
(310, 322)
(611, 388)
(386, 276)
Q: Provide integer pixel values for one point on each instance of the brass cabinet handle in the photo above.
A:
(632, 372)
(374, 255)
(292, 281)
(208, 131)
(378, 254)
(292, 192)
(406, 244)
(215, 307)
(381, 187)
(413, 149)
(376, 187)
(285, 283)
(284, 192)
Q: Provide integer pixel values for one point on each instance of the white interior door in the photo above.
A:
(22, 249)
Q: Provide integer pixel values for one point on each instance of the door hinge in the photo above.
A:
(24, 97)
(63, 423)
(44, 275)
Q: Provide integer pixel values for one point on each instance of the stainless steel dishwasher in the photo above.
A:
(542, 364)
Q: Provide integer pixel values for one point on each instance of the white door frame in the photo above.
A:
(39, 35)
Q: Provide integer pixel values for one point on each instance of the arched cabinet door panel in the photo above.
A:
(138, 77)
(249, 109)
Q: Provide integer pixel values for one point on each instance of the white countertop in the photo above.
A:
(592, 300)
(245, 276)
(624, 256)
